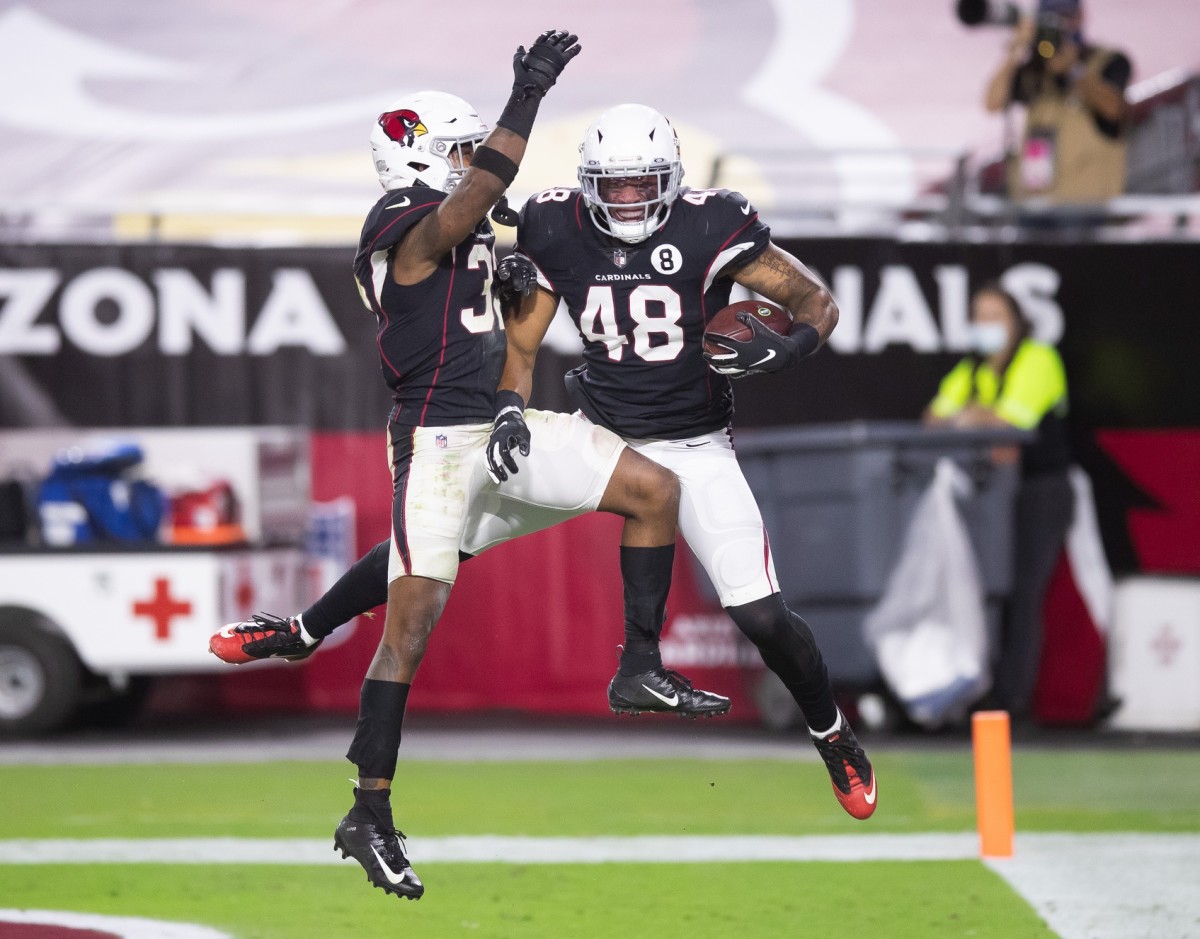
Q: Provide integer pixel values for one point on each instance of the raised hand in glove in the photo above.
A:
(509, 432)
(535, 71)
(766, 351)
(516, 277)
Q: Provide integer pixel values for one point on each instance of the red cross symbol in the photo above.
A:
(161, 608)
(1166, 644)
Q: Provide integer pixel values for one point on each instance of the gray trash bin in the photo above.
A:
(836, 500)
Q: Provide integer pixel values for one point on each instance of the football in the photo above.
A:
(725, 322)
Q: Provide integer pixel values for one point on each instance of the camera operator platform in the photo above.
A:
(1072, 148)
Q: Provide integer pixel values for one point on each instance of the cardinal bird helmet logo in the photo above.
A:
(403, 126)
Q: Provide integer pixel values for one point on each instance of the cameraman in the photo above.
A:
(1072, 149)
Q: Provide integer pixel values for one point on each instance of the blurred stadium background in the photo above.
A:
(181, 188)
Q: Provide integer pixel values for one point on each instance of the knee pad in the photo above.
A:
(759, 620)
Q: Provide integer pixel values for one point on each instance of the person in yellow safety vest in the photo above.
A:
(1011, 379)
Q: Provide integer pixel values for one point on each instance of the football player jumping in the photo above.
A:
(642, 264)
(424, 267)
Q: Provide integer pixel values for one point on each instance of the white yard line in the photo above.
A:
(1109, 886)
(1086, 886)
(496, 848)
(622, 740)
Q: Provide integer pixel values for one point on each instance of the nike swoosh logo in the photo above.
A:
(227, 631)
(763, 361)
(399, 205)
(387, 871)
(869, 797)
(746, 209)
(702, 443)
(670, 702)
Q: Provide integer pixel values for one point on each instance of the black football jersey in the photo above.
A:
(642, 309)
(441, 344)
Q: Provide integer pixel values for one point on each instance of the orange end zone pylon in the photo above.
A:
(993, 782)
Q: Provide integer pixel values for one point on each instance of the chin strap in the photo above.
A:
(502, 214)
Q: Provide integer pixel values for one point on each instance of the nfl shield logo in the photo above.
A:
(619, 257)
(440, 441)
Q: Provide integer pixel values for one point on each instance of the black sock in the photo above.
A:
(377, 735)
(372, 805)
(363, 587)
(647, 576)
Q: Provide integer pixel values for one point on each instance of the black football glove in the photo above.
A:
(536, 71)
(516, 277)
(510, 432)
(766, 351)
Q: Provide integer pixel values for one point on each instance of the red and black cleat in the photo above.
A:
(850, 771)
(263, 636)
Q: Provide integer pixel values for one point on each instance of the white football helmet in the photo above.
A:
(629, 171)
(426, 139)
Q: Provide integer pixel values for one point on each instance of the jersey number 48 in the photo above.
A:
(654, 311)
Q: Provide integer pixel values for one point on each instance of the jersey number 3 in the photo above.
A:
(481, 257)
(654, 312)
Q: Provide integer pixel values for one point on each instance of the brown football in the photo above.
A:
(725, 322)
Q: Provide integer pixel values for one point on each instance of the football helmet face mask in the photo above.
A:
(629, 171)
(426, 139)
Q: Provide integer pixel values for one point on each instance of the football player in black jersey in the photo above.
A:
(642, 263)
(424, 267)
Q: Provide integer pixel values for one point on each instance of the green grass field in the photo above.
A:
(1071, 791)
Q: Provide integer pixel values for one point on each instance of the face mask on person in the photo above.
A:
(988, 338)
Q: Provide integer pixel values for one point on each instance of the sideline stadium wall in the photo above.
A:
(165, 335)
